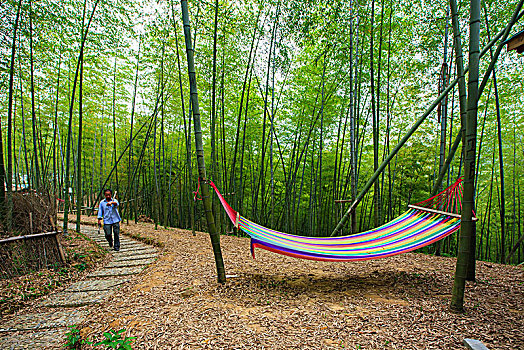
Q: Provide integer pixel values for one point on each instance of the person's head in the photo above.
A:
(108, 193)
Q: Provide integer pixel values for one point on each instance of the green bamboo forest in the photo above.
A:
(312, 118)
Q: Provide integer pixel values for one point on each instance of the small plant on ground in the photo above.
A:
(81, 267)
(78, 256)
(74, 339)
(114, 340)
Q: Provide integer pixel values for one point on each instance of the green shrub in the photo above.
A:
(114, 340)
(74, 339)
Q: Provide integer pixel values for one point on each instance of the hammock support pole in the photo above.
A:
(199, 147)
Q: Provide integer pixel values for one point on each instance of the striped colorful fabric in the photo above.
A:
(412, 230)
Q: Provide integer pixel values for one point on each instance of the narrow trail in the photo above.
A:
(45, 325)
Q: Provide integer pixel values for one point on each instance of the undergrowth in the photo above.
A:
(113, 340)
(82, 255)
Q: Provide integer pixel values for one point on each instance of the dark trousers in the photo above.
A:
(109, 236)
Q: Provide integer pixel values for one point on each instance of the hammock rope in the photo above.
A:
(421, 225)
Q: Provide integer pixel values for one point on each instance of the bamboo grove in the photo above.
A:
(300, 102)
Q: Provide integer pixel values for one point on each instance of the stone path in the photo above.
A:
(46, 329)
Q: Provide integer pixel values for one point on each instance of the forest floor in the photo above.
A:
(277, 302)
(82, 256)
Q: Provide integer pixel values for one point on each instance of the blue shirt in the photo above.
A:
(109, 212)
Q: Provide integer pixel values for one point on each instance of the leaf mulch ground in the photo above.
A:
(82, 256)
(276, 302)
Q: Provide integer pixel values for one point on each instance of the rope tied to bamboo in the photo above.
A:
(197, 195)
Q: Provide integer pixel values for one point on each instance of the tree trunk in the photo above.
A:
(467, 230)
(443, 114)
(33, 112)
(71, 107)
(187, 133)
(55, 132)
(9, 179)
(79, 149)
(501, 159)
(375, 124)
(131, 190)
(114, 122)
(214, 158)
(215, 237)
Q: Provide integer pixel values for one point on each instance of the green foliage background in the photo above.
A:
(311, 60)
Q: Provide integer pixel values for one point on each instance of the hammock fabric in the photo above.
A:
(420, 226)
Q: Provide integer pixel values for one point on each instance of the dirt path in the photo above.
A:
(45, 323)
(276, 302)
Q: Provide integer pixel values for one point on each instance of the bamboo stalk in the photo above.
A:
(9, 179)
(467, 231)
(27, 237)
(187, 133)
(79, 147)
(206, 199)
(71, 107)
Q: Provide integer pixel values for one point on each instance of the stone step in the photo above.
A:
(132, 245)
(67, 299)
(51, 319)
(119, 257)
(127, 240)
(125, 249)
(129, 263)
(44, 339)
(95, 285)
(122, 245)
(103, 239)
(123, 271)
(124, 253)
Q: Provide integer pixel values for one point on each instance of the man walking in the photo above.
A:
(108, 211)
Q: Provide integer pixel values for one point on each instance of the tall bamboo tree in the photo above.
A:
(9, 178)
(79, 191)
(33, 111)
(467, 223)
(71, 109)
(199, 146)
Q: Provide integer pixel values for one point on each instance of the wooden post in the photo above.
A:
(31, 222)
(60, 250)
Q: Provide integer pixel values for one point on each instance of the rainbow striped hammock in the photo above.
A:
(420, 226)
